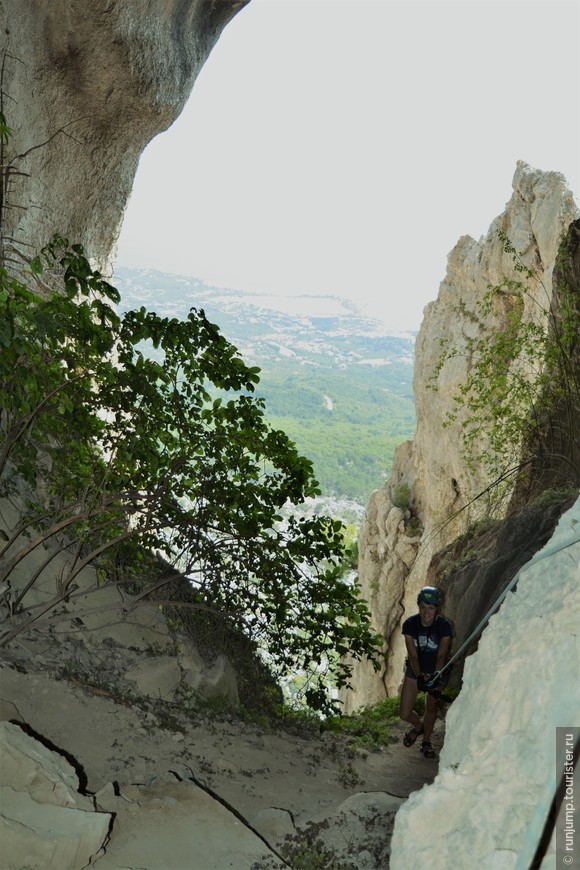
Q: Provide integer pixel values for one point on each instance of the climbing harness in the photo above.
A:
(429, 686)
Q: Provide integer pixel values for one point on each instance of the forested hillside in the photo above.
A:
(334, 380)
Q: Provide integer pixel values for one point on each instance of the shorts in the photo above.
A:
(409, 670)
(409, 673)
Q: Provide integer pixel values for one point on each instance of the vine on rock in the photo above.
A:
(521, 396)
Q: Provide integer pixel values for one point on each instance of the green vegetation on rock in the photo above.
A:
(519, 405)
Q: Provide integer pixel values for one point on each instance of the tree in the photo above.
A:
(131, 449)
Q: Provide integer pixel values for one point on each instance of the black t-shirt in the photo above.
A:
(427, 639)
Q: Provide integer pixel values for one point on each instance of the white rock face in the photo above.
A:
(363, 818)
(490, 799)
(215, 681)
(432, 467)
(45, 824)
(174, 824)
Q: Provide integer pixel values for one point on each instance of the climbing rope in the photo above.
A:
(497, 603)
(533, 851)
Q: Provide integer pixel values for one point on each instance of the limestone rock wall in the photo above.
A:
(45, 821)
(393, 564)
(86, 86)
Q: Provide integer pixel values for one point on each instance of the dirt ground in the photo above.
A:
(248, 767)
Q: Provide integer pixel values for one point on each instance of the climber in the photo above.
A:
(427, 637)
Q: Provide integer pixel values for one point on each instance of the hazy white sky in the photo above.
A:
(344, 146)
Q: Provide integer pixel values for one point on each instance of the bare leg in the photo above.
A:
(408, 698)
(429, 717)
